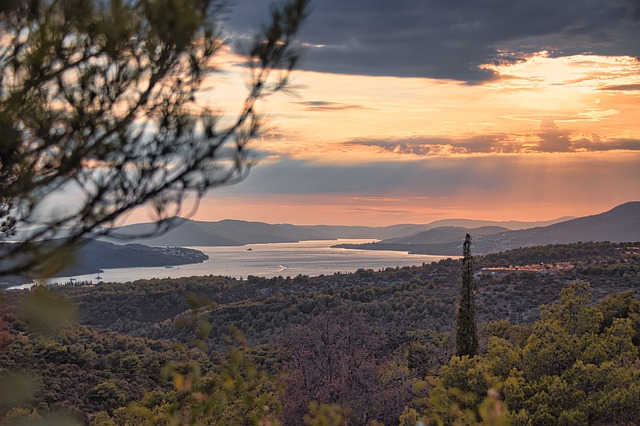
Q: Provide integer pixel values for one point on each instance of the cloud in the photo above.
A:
(421, 189)
(451, 39)
(550, 139)
(443, 145)
(588, 115)
(596, 145)
(622, 87)
(427, 179)
(554, 140)
(548, 123)
(376, 179)
(329, 106)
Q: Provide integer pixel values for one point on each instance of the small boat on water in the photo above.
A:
(249, 249)
(98, 277)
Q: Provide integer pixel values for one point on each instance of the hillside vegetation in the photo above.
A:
(360, 348)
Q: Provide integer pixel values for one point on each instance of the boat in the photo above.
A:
(98, 277)
(249, 249)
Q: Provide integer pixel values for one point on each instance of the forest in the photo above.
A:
(559, 346)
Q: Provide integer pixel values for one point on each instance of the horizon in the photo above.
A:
(559, 218)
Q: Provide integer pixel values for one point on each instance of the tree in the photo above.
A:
(466, 329)
(341, 362)
(234, 392)
(101, 98)
(559, 374)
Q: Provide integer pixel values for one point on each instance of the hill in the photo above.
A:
(94, 256)
(622, 223)
(232, 233)
(394, 323)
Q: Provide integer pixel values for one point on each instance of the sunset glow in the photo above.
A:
(541, 134)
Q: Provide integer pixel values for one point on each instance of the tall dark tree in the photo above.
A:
(466, 329)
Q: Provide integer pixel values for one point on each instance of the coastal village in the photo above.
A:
(542, 268)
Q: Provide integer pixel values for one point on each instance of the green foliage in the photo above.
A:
(24, 417)
(134, 414)
(571, 362)
(621, 305)
(427, 351)
(81, 367)
(16, 388)
(45, 311)
(198, 327)
(235, 393)
(573, 369)
(326, 415)
(589, 252)
(20, 417)
(107, 392)
(445, 410)
(573, 311)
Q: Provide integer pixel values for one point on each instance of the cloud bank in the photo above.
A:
(451, 39)
(547, 140)
(492, 183)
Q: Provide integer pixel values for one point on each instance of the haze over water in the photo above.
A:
(270, 260)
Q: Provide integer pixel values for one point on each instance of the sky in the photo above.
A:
(409, 111)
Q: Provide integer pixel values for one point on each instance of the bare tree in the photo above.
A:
(100, 97)
(340, 358)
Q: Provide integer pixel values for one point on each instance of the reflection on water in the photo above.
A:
(268, 260)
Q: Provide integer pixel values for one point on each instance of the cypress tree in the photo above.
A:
(466, 330)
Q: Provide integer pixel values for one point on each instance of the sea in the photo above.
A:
(310, 258)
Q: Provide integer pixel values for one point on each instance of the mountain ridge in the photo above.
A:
(231, 232)
(619, 224)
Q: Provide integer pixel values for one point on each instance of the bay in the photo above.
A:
(268, 260)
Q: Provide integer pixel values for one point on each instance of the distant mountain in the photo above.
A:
(620, 224)
(410, 230)
(236, 232)
(445, 234)
(509, 224)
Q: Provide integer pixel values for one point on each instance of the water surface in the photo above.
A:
(269, 260)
